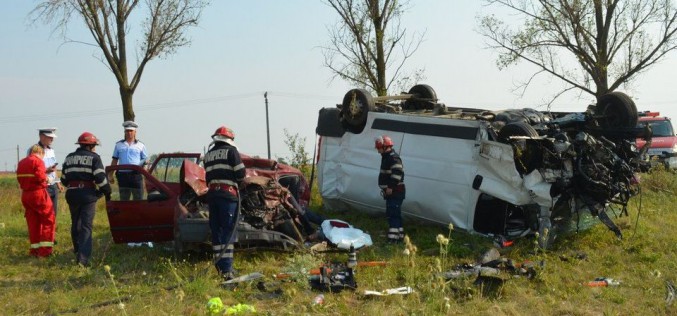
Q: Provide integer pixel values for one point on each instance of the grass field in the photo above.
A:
(150, 281)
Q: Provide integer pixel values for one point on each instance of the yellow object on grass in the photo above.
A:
(214, 306)
(240, 309)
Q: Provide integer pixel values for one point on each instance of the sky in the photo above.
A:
(239, 51)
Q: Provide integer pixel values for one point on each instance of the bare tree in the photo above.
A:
(611, 41)
(164, 25)
(367, 40)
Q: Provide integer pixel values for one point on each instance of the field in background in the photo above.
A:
(150, 281)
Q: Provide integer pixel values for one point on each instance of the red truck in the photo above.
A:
(663, 148)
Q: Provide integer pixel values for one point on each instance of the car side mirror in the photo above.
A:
(155, 195)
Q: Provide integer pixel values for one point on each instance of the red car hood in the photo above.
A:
(194, 176)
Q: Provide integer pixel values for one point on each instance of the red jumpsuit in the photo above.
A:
(33, 182)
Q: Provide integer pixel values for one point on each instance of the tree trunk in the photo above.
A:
(127, 104)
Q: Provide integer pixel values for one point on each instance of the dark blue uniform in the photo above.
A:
(392, 176)
(224, 170)
(85, 179)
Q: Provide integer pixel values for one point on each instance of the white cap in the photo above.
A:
(49, 132)
(130, 125)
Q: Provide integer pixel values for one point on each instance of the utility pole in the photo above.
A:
(17, 155)
(265, 96)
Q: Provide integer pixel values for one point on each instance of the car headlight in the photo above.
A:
(674, 148)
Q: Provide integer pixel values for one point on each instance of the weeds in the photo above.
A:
(110, 275)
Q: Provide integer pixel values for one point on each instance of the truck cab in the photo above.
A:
(663, 146)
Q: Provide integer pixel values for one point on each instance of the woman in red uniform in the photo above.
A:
(33, 182)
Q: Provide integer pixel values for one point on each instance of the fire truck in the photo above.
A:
(663, 146)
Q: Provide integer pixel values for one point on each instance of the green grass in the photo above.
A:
(145, 281)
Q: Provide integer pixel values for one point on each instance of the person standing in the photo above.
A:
(54, 187)
(84, 176)
(129, 151)
(224, 170)
(391, 182)
(33, 180)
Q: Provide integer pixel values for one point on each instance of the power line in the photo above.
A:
(140, 108)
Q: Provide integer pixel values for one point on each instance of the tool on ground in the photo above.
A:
(602, 281)
(396, 291)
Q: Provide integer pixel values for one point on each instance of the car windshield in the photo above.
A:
(660, 128)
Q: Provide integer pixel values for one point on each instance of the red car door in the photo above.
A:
(147, 216)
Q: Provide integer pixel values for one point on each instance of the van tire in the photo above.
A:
(529, 156)
(354, 109)
(424, 98)
(616, 110)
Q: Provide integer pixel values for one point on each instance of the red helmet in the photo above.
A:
(383, 142)
(87, 138)
(222, 133)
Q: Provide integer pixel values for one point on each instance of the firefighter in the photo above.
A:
(86, 181)
(33, 181)
(224, 170)
(391, 182)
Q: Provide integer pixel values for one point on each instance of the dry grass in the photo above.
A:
(145, 281)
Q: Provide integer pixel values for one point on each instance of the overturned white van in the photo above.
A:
(507, 173)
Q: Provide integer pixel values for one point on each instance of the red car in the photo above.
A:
(173, 207)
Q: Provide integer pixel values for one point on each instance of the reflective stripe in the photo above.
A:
(25, 175)
(228, 182)
(35, 246)
(385, 171)
(396, 166)
(218, 166)
(238, 167)
(383, 186)
(218, 247)
(77, 169)
(46, 244)
(225, 254)
(394, 236)
(104, 182)
(97, 171)
(396, 177)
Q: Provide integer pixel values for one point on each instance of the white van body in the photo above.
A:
(442, 157)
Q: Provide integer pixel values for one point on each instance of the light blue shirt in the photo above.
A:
(130, 154)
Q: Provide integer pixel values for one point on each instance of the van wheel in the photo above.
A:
(424, 98)
(527, 153)
(616, 110)
(354, 109)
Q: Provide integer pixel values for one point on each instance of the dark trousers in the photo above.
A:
(82, 221)
(394, 216)
(130, 183)
(223, 217)
(53, 191)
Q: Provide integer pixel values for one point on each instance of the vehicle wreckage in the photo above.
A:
(173, 208)
(507, 173)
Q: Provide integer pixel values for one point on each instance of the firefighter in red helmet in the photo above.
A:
(85, 179)
(224, 171)
(32, 178)
(391, 182)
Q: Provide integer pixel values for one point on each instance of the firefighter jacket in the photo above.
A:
(392, 174)
(82, 173)
(31, 173)
(224, 170)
